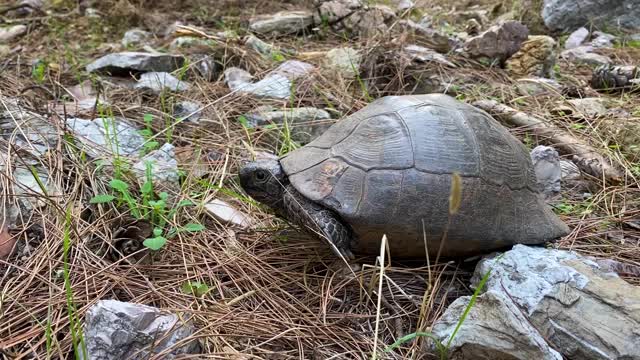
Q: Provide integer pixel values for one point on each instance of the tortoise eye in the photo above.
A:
(261, 175)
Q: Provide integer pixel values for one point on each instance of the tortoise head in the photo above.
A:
(264, 180)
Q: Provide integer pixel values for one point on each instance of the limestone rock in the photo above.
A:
(135, 37)
(276, 84)
(353, 16)
(187, 110)
(602, 40)
(546, 164)
(576, 38)
(536, 57)
(307, 123)
(157, 82)
(115, 330)
(7, 34)
(185, 42)
(584, 55)
(535, 86)
(100, 136)
(284, 22)
(568, 15)
(345, 61)
(493, 329)
(422, 54)
(582, 311)
(164, 168)
(431, 38)
(125, 62)
(499, 42)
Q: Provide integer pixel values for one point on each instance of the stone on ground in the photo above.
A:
(568, 15)
(546, 164)
(536, 57)
(345, 61)
(164, 167)
(187, 110)
(284, 22)
(135, 37)
(584, 311)
(499, 42)
(306, 123)
(116, 330)
(576, 38)
(584, 55)
(276, 84)
(9, 33)
(157, 82)
(227, 213)
(126, 62)
(93, 136)
(494, 329)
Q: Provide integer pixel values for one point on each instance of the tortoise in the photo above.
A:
(388, 168)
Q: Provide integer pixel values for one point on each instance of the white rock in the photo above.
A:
(187, 110)
(546, 164)
(284, 22)
(589, 107)
(276, 84)
(135, 37)
(183, 42)
(125, 62)
(493, 329)
(423, 54)
(584, 311)
(93, 135)
(9, 33)
(156, 82)
(115, 330)
(226, 213)
(258, 45)
(584, 55)
(164, 168)
(576, 38)
(345, 61)
(602, 40)
(306, 123)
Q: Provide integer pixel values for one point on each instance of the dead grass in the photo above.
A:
(273, 292)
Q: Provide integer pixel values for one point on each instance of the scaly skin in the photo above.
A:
(316, 218)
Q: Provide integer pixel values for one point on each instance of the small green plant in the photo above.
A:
(277, 56)
(195, 288)
(38, 71)
(147, 133)
(147, 205)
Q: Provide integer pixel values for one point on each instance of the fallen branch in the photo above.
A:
(584, 155)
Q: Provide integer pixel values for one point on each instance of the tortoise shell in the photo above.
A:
(387, 169)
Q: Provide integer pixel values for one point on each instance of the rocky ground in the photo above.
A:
(123, 124)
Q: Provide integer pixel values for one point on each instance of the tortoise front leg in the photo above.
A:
(320, 221)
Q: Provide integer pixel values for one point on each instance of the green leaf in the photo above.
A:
(147, 188)
(151, 145)
(148, 118)
(195, 288)
(185, 203)
(119, 185)
(102, 198)
(193, 227)
(157, 232)
(155, 243)
(244, 122)
(145, 133)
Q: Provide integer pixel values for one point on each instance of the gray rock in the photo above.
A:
(116, 330)
(125, 62)
(493, 329)
(306, 123)
(92, 13)
(205, 66)
(570, 171)
(32, 6)
(4, 50)
(568, 15)
(276, 84)
(431, 38)
(157, 82)
(258, 45)
(585, 55)
(583, 311)
(187, 110)
(404, 5)
(26, 130)
(536, 86)
(27, 190)
(9, 33)
(135, 37)
(588, 107)
(185, 42)
(422, 54)
(546, 164)
(602, 40)
(499, 42)
(164, 167)
(353, 16)
(93, 135)
(577, 38)
(345, 61)
(284, 22)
